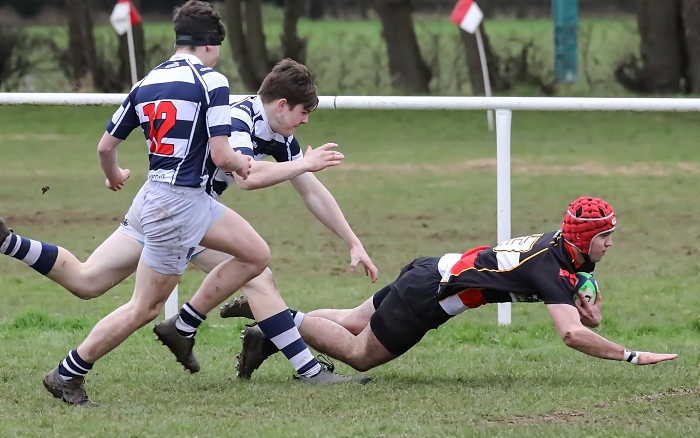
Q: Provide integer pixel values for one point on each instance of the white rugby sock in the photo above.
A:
(298, 318)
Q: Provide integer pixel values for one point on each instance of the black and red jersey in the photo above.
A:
(536, 268)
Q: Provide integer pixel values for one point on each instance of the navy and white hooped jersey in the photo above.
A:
(251, 135)
(179, 105)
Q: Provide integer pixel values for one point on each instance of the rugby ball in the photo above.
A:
(586, 284)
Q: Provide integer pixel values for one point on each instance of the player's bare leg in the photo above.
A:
(114, 260)
(251, 256)
(354, 345)
(262, 288)
(209, 259)
(267, 306)
(362, 352)
(150, 293)
(246, 255)
(353, 320)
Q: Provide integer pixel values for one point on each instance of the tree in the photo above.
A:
(247, 38)
(15, 49)
(314, 9)
(669, 55)
(691, 21)
(82, 54)
(407, 68)
(81, 61)
(292, 46)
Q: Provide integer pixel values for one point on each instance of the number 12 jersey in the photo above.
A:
(179, 105)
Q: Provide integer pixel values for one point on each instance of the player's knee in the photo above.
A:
(364, 367)
(258, 258)
(360, 362)
(261, 260)
(85, 294)
(141, 314)
(88, 283)
(353, 324)
(146, 315)
(86, 291)
(356, 320)
(264, 258)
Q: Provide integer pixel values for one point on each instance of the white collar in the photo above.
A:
(260, 108)
(186, 56)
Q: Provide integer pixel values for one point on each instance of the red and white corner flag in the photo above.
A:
(124, 16)
(467, 15)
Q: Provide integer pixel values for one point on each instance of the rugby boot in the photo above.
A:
(256, 348)
(238, 308)
(328, 374)
(70, 391)
(5, 231)
(179, 345)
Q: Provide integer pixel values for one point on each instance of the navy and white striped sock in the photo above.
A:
(73, 366)
(298, 317)
(188, 321)
(40, 256)
(281, 330)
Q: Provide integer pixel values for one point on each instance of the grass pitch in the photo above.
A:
(412, 184)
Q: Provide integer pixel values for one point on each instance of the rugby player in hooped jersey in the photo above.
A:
(290, 94)
(182, 107)
(431, 290)
(116, 258)
(262, 126)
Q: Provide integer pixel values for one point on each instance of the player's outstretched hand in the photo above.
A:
(117, 185)
(359, 255)
(246, 163)
(322, 157)
(590, 315)
(652, 358)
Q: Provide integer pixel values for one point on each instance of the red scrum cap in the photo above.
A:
(586, 218)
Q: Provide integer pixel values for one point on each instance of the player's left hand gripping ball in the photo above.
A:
(586, 284)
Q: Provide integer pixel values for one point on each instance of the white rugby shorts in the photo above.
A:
(175, 239)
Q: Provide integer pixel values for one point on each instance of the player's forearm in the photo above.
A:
(223, 156)
(265, 174)
(227, 161)
(324, 207)
(107, 155)
(592, 344)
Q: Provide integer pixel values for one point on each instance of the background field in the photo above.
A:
(413, 183)
(349, 56)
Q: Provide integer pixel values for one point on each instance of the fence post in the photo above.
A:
(503, 122)
(171, 305)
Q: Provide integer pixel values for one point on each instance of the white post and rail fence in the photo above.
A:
(504, 106)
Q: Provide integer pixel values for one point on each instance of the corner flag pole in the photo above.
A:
(132, 54)
(124, 17)
(468, 16)
(485, 72)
